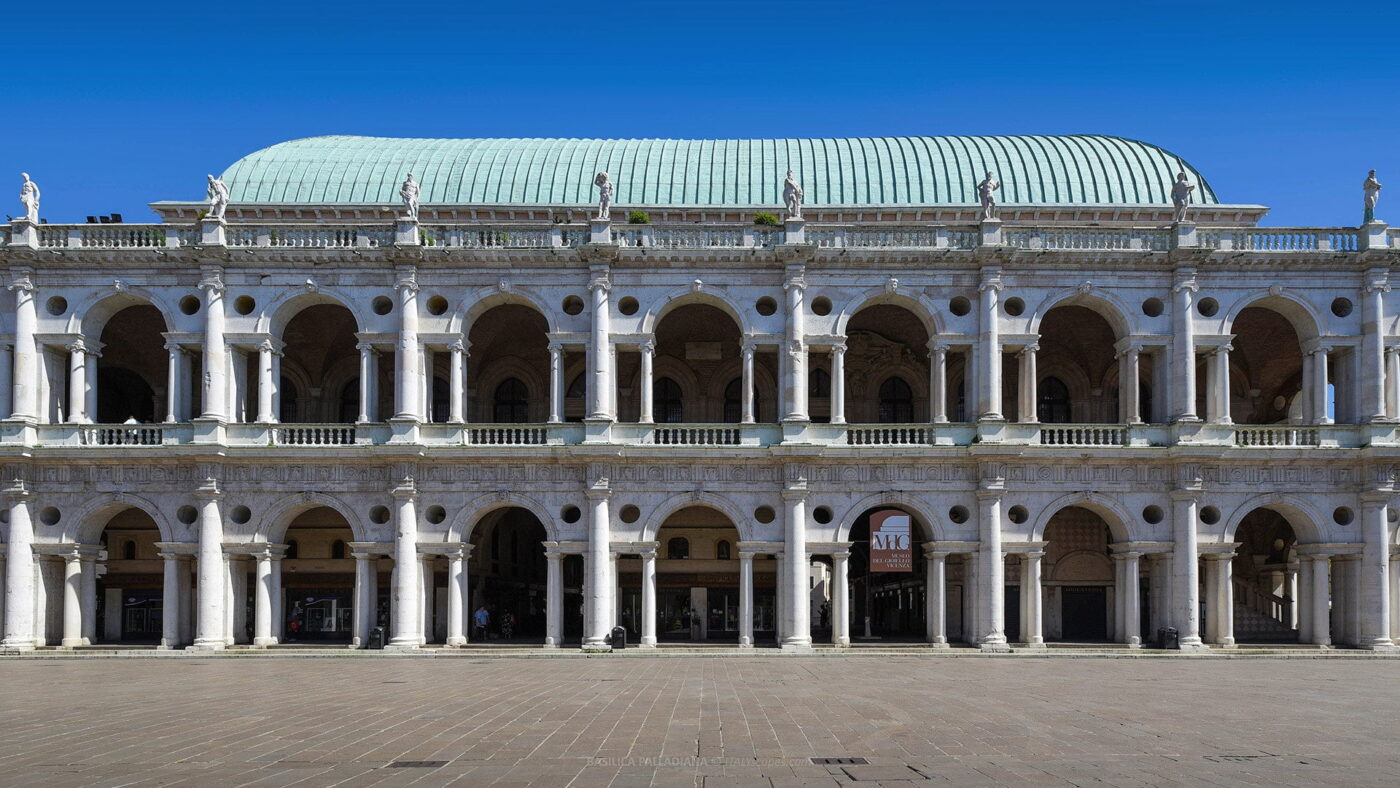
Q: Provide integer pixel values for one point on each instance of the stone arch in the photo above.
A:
(1114, 514)
(716, 297)
(503, 369)
(277, 313)
(90, 316)
(1102, 302)
(94, 516)
(487, 298)
(675, 503)
(272, 525)
(466, 520)
(1301, 515)
(901, 500)
(1307, 320)
(919, 305)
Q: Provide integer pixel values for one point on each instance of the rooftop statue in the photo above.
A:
(1181, 196)
(409, 192)
(217, 194)
(792, 196)
(605, 195)
(29, 198)
(986, 194)
(1372, 188)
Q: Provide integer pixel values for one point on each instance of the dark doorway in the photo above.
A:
(1084, 613)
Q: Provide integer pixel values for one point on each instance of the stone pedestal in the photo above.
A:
(24, 233)
(1372, 236)
(795, 231)
(990, 230)
(211, 232)
(600, 231)
(406, 231)
(1184, 236)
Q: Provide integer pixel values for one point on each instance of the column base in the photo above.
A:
(648, 641)
(797, 647)
(842, 643)
(207, 645)
(745, 645)
(1381, 644)
(1191, 643)
(1037, 646)
(70, 642)
(456, 642)
(995, 646)
(939, 644)
(264, 642)
(596, 648)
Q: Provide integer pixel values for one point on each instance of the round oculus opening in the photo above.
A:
(56, 305)
(1342, 515)
(1341, 307)
(1208, 307)
(437, 305)
(244, 305)
(571, 514)
(628, 305)
(1018, 514)
(187, 514)
(629, 514)
(766, 306)
(435, 514)
(189, 304)
(822, 514)
(240, 514)
(1210, 515)
(958, 514)
(573, 305)
(379, 514)
(50, 515)
(1152, 514)
(960, 305)
(821, 305)
(1153, 307)
(1015, 306)
(764, 514)
(382, 305)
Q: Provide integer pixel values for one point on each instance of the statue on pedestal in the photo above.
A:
(605, 195)
(1372, 190)
(986, 195)
(29, 198)
(217, 194)
(409, 193)
(792, 196)
(1181, 197)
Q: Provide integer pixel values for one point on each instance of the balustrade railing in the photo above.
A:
(123, 435)
(1276, 435)
(889, 435)
(696, 435)
(1083, 435)
(505, 435)
(314, 435)
(1281, 239)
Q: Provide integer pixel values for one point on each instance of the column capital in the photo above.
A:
(1376, 286)
(1188, 285)
(648, 347)
(600, 281)
(1030, 349)
(213, 281)
(407, 279)
(796, 281)
(209, 490)
(1217, 551)
(405, 489)
(461, 346)
(1219, 349)
(22, 280)
(838, 348)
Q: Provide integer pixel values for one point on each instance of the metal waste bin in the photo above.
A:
(1167, 637)
(376, 638)
(619, 638)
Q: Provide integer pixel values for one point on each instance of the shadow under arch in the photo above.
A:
(708, 296)
(93, 517)
(1308, 322)
(920, 306)
(279, 312)
(1107, 305)
(1113, 513)
(485, 299)
(90, 316)
(272, 526)
(1302, 516)
(676, 503)
(933, 530)
(464, 524)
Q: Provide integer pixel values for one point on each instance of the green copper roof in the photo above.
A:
(1063, 170)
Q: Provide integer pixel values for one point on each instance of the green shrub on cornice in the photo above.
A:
(765, 219)
(638, 217)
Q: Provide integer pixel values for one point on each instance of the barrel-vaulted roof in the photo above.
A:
(1033, 170)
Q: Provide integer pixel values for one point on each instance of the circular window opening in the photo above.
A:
(244, 305)
(1341, 307)
(1391, 513)
(1152, 514)
(1208, 307)
(630, 514)
(379, 514)
(1210, 515)
(1152, 307)
(573, 305)
(436, 305)
(960, 306)
(822, 514)
(189, 304)
(821, 306)
(627, 306)
(571, 514)
(57, 305)
(958, 514)
(382, 305)
(1342, 515)
(5, 516)
(1015, 306)
(50, 515)
(187, 514)
(435, 514)
(766, 306)
(1018, 514)
(241, 514)
(764, 514)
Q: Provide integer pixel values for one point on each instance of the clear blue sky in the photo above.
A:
(113, 105)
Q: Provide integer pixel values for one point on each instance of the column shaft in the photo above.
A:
(938, 384)
(89, 600)
(799, 634)
(648, 598)
(19, 572)
(174, 383)
(406, 614)
(366, 382)
(745, 599)
(991, 592)
(989, 365)
(1131, 596)
(266, 385)
(600, 390)
(554, 600)
(262, 600)
(838, 384)
(936, 598)
(1031, 625)
(556, 383)
(840, 597)
(170, 600)
(1183, 350)
(1129, 387)
(646, 384)
(1219, 400)
(1372, 354)
(77, 384)
(210, 633)
(457, 385)
(1375, 574)
(407, 373)
(72, 601)
(1026, 406)
(215, 356)
(795, 384)
(1319, 386)
(748, 414)
(456, 600)
(599, 597)
(1186, 605)
(25, 380)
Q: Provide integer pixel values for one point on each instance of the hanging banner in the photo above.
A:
(891, 547)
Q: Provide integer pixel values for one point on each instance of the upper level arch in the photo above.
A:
(1112, 511)
(91, 315)
(272, 525)
(279, 312)
(1102, 302)
(1307, 320)
(485, 299)
(917, 304)
(706, 295)
(93, 517)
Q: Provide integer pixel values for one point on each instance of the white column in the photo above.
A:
(971, 594)
(1183, 348)
(615, 590)
(1219, 401)
(935, 597)
(1186, 610)
(1395, 597)
(1375, 574)
(1221, 586)
(797, 596)
(279, 599)
(989, 386)
(238, 582)
(170, 599)
(556, 383)
(366, 593)
(457, 383)
(1304, 603)
(425, 384)
(795, 385)
(367, 373)
(1031, 596)
(840, 599)
(426, 605)
(25, 380)
(938, 383)
(1130, 600)
(19, 572)
(209, 634)
(554, 599)
(648, 350)
(748, 415)
(601, 388)
(89, 597)
(1354, 601)
(1026, 407)
(648, 598)
(456, 599)
(1319, 385)
(1129, 387)
(174, 383)
(262, 599)
(599, 596)
(406, 612)
(72, 600)
(407, 374)
(215, 355)
(1372, 358)
(781, 625)
(1212, 584)
(1392, 382)
(78, 383)
(1290, 595)
(238, 385)
(745, 599)
(991, 571)
(267, 413)
(838, 384)
(185, 600)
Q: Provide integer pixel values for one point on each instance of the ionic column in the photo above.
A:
(170, 599)
(989, 386)
(25, 380)
(407, 374)
(89, 597)
(799, 632)
(599, 590)
(1186, 610)
(407, 606)
(1219, 401)
(747, 383)
(457, 598)
(1373, 384)
(1031, 596)
(72, 600)
(175, 381)
(1026, 407)
(425, 384)
(648, 598)
(1129, 385)
(1183, 348)
(365, 591)
(1212, 584)
(554, 599)
(601, 388)
(215, 356)
(19, 572)
(556, 383)
(648, 349)
(238, 598)
(267, 413)
(1290, 595)
(745, 599)
(262, 599)
(838, 384)
(457, 383)
(935, 597)
(991, 571)
(1375, 574)
(1130, 600)
(209, 633)
(78, 383)
(1321, 598)
(795, 385)
(184, 598)
(938, 382)
(840, 615)
(1319, 385)
(367, 374)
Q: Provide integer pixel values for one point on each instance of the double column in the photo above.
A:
(369, 379)
(1129, 385)
(406, 595)
(1220, 594)
(1316, 374)
(647, 385)
(1128, 609)
(1032, 616)
(177, 383)
(175, 593)
(267, 594)
(1218, 403)
(1026, 404)
(269, 378)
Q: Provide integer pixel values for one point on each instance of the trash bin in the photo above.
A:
(1167, 637)
(619, 638)
(376, 638)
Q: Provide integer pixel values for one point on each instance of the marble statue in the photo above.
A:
(1181, 196)
(605, 195)
(792, 196)
(986, 194)
(1372, 189)
(409, 192)
(29, 198)
(218, 198)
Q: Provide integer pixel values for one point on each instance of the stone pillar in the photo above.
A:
(407, 612)
(1375, 574)
(1212, 583)
(408, 375)
(1223, 598)
(1303, 602)
(25, 380)
(1392, 382)
(211, 623)
(991, 571)
(748, 414)
(838, 384)
(1218, 404)
(798, 635)
(556, 383)
(780, 624)
(175, 381)
(427, 606)
(648, 349)
(262, 599)
(1026, 405)
(989, 386)
(1183, 347)
(215, 394)
(367, 375)
(238, 598)
(601, 388)
(745, 599)
(938, 383)
(89, 596)
(366, 597)
(170, 636)
(1031, 596)
(1351, 608)
(599, 591)
(795, 385)
(1395, 597)
(1186, 603)
(648, 598)
(19, 570)
(554, 598)
(72, 599)
(457, 383)
(840, 599)
(1321, 598)
(78, 383)
(1319, 385)
(267, 386)
(1373, 384)
(456, 598)
(1290, 595)
(936, 597)
(971, 590)
(185, 598)
(1130, 600)
(1129, 386)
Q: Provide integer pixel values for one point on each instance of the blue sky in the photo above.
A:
(114, 105)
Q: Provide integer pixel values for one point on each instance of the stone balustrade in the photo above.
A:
(1277, 435)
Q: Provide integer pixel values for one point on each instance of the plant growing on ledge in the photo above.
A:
(638, 217)
(765, 219)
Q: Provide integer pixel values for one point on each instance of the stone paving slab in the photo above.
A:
(697, 722)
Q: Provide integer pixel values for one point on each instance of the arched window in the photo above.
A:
(1053, 407)
(287, 396)
(819, 383)
(678, 547)
(722, 550)
(129, 550)
(337, 549)
(441, 400)
(896, 402)
(291, 549)
(666, 401)
(350, 402)
(512, 402)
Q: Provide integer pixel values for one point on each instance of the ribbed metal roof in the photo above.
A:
(1035, 170)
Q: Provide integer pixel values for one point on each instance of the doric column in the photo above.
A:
(1130, 600)
(648, 598)
(406, 610)
(991, 570)
(1354, 601)
(408, 376)
(426, 606)
(599, 597)
(171, 604)
(1373, 383)
(795, 386)
(972, 590)
(457, 597)
(1220, 585)
(648, 349)
(799, 632)
(1031, 595)
(838, 384)
(989, 386)
(457, 383)
(78, 383)
(262, 599)
(1026, 406)
(1129, 393)
(72, 599)
(748, 416)
(89, 595)
(554, 598)
(238, 598)
(367, 374)
(615, 591)
(1186, 610)
(366, 591)
(935, 597)
(1321, 601)
(267, 413)
(25, 380)
(215, 353)
(1375, 573)
(1319, 384)
(209, 634)
(780, 624)
(1219, 401)
(840, 598)
(1183, 348)
(601, 388)
(745, 598)
(1212, 584)
(279, 599)
(175, 381)
(556, 382)
(938, 382)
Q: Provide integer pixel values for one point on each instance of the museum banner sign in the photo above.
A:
(891, 547)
